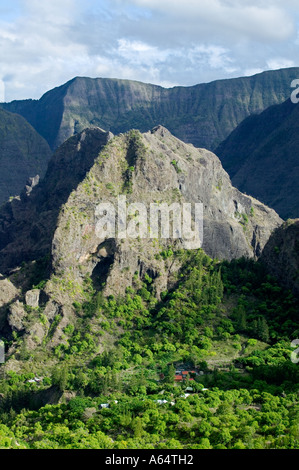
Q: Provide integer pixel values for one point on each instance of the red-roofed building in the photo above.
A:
(181, 375)
(178, 378)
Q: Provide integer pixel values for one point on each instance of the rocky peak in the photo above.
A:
(160, 131)
(31, 183)
(61, 215)
(155, 167)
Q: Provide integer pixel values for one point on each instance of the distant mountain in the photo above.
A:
(23, 154)
(281, 255)
(262, 157)
(203, 115)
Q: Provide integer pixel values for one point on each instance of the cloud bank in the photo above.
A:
(166, 42)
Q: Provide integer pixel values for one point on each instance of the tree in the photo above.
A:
(263, 330)
(241, 319)
(170, 374)
(137, 426)
(60, 377)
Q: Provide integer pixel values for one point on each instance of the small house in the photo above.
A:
(161, 402)
(178, 378)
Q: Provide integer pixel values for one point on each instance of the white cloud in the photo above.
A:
(280, 63)
(57, 12)
(216, 57)
(137, 52)
(266, 20)
(167, 42)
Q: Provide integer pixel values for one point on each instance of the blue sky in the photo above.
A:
(45, 43)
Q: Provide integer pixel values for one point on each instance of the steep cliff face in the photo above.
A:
(203, 115)
(24, 154)
(27, 223)
(281, 255)
(261, 156)
(160, 169)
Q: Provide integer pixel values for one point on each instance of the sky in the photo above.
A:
(45, 43)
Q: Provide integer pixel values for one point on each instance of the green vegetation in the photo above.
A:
(175, 165)
(231, 323)
(219, 185)
(243, 219)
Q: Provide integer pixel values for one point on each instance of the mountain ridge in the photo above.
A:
(202, 114)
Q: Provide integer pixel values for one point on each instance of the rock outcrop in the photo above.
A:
(16, 316)
(8, 294)
(32, 298)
